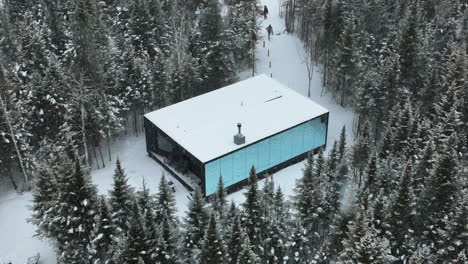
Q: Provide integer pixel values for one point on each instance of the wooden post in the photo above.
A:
(263, 43)
(268, 52)
(270, 64)
(271, 75)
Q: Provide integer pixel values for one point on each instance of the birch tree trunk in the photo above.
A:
(13, 138)
(83, 124)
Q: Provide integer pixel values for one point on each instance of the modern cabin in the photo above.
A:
(256, 122)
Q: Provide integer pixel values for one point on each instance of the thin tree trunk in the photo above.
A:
(135, 127)
(95, 155)
(126, 122)
(83, 128)
(108, 145)
(100, 152)
(12, 179)
(13, 138)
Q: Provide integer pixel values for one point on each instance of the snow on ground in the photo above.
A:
(17, 243)
(287, 66)
(138, 166)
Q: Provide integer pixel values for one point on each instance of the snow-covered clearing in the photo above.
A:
(287, 66)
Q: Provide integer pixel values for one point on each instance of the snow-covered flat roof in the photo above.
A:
(205, 125)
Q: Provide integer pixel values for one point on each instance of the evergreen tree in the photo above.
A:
(409, 52)
(121, 198)
(241, 27)
(165, 203)
(439, 198)
(253, 220)
(103, 234)
(347, 59)
(213, 250)
(361, 153)
(167, 248)
(246, 255)
(212, 50)
(219, 201)
(45, 197)
(456, 249)
(135, 243)
(402, 215)
(195, 226)
(140, 24)
(76, 212)
(342, 145)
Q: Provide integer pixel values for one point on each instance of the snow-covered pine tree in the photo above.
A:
(45, 197)
(14, 137)
(278, 231)
(196, 222)
(242, 31)
(362, 245)
(219, 201)
(135, 246)
(332, 162)
(253, 218)
(342, 145)
(121, 198)
(456, 250)
(157, 26)
(102, 236)
(47, 106)
(135, 84)
(246, 254)
(139, 23)
(234, 239)
(401, 220)
(153, 238)
(439, 198)
(409, 51)
(168, 247)
(212, 50)
(144, 200)
(214, 248)
(75, 210)
(320, 164)
(347, 59)
(165, 203)
(361, 153)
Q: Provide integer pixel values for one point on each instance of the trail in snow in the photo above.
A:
(285, 52)
(288, 66)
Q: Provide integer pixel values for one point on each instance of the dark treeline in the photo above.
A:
(75, 73)
(402, 65)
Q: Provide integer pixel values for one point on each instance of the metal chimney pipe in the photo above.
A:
(239, 127)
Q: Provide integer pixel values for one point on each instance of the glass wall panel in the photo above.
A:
(212, 172)
(265, 154)
(286, 145)
(320, 133)
(227, 169)
(298, 140)
(239, 165)
(308, 136)
(275, 150)
(250, 158)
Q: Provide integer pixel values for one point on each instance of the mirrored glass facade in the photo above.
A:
(265, 154)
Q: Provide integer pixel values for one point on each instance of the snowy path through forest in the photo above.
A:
(287, 66)
(286, 54)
